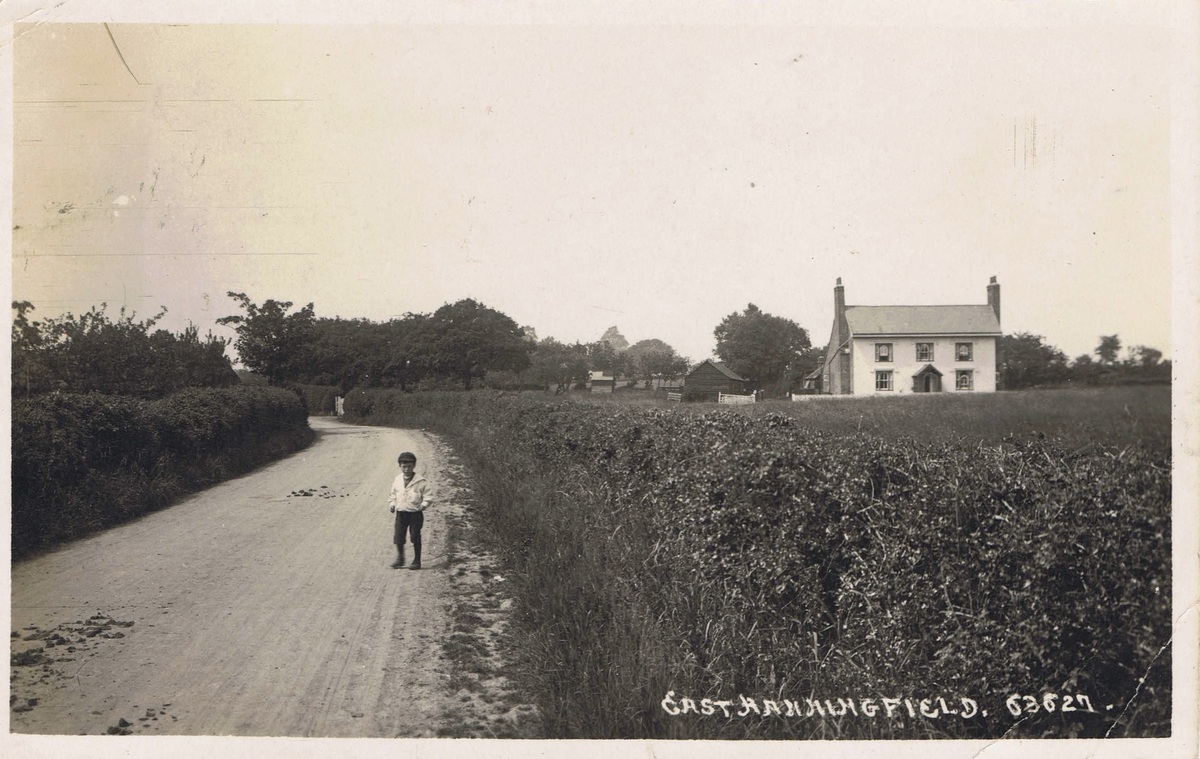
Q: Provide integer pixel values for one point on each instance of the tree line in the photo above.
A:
(460, 345)
(1026, 360)
(466, 344)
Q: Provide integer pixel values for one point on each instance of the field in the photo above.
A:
(968, 567)
(1115, 416)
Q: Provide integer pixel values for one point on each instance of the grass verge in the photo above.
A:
(478, 653)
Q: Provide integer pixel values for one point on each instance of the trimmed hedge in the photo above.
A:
(84, 462)
(729, 554)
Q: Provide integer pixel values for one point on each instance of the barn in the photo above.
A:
(710, 378)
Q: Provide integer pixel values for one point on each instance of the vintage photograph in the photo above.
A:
(786, 380)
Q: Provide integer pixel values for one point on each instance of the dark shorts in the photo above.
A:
(408, 521)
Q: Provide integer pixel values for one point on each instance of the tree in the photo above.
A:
(360, 353)
(1145, 365)
(465, 340)
(1084, 369)
(184, 360)
(29, 372)
(1144, 356)
(654, 358)
(557, 364)
(1027, 361)
(602, 357)
(1108, 349)
(767, 350)
(271, 341)
(811, 359)
(613, 337)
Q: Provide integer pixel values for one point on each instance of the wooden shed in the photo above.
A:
(709, 378)
(601, 382)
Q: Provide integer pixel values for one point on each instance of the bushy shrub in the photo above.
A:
(728, 553)
(82, 462)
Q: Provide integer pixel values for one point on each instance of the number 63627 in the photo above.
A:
(1019, 704)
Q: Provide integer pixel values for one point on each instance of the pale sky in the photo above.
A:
(576, 176)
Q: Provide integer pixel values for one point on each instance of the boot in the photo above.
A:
(399, 562)
(416, 564)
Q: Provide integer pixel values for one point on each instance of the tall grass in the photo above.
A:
(586, 626)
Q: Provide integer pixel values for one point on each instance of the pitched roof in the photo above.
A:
(719, 366)
(922, 320)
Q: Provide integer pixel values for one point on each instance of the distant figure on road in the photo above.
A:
(408, 500)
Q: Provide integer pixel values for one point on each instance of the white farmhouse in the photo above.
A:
(896, 350)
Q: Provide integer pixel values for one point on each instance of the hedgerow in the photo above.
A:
(725, 555)
(83, 462)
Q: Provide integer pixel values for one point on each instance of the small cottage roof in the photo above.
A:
(721, 367)
(922, 320)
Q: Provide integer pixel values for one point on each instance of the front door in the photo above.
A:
(928, 382)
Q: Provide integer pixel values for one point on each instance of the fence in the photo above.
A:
(674, 397)
(734, 399)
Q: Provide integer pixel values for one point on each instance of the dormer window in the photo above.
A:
(883, 351)
(964, 351)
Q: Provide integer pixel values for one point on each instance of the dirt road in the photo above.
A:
(262, 606)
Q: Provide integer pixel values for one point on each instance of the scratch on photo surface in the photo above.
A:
(119, 54)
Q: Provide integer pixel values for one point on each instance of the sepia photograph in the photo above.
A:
(688, 378)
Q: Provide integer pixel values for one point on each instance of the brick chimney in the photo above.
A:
(993, 291)
(837, 362)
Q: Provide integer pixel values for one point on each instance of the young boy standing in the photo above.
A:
(408, 500)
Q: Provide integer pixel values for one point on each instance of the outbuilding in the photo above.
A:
(601, 382)
(711, 378)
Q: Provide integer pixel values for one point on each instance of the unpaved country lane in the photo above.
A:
(255, 609)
